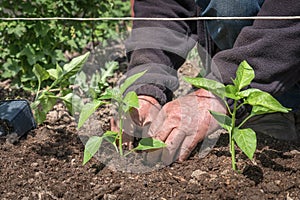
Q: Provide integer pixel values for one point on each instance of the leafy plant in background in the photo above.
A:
(124, 104)
(98, 81)
(261, 102)
(24, 44)
(58, 80)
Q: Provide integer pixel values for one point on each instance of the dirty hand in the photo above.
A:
(182, 123)
(137, 121)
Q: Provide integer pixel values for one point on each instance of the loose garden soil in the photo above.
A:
(47, 164)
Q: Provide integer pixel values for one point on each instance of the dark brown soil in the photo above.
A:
(47, 164)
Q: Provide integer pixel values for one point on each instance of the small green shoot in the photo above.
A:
(261, 102)
(124, 104)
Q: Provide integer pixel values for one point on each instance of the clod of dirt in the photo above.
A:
(12, 138)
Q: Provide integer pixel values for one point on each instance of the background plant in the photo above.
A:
(123, 103)
(261, 102)
(94, 85)
(23, 44)
(59, 80)
(62, 82)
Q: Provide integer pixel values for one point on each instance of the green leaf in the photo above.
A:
(42, 106)
(231, 92)
(55, 73)
(87, 110)
(59, 56)
(94, 81)
(10, 69)
(72, 43)
(52, 73)
(27, 51)
(110, 136)
(41, 29)
(108, 70)
(40, 73)
(246, 140)
(244, 75)
(130, 100)
(73, 102)
(213, 86)
(260, 110)
(223, 120)
(91, 147)
(71, 68)
(108, 94)
(92, 93)
(36, 57)
(40, 116)
(264, 99)
(81, 81)
(19, 30)
(246, 93)
(150, 143)
(130, 80)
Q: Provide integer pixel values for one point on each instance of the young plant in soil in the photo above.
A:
(261, 102)
(124, 104)
(57, 81)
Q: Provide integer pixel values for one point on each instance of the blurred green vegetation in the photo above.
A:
(24, 44)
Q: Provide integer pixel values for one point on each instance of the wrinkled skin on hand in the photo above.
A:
(182, 123)
(137, 122)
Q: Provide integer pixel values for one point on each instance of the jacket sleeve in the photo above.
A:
(160, 47)
(271, 47)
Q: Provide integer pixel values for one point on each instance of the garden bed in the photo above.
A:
(47, 164)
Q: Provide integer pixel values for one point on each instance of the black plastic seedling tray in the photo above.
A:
(15, 117)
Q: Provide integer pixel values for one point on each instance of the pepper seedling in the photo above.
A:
(58, 80)
(261, 102)
(124, 104)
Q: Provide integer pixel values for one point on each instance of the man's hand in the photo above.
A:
(182, 123)
(138, 120)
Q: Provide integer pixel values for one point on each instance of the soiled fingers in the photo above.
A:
(179, 147)
(168, 154)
